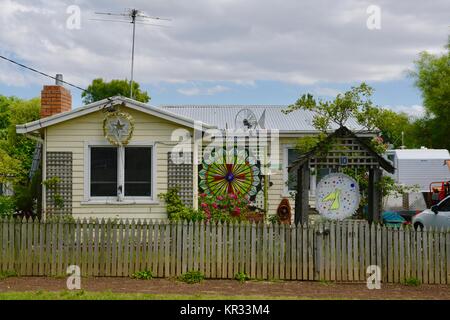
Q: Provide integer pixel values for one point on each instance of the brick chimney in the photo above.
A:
(55, 98)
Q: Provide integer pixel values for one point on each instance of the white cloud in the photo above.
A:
(239, 41)
(414, 111)
(326, 92)
(210, 91)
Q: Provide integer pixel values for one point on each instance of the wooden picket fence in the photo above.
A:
(338, 251)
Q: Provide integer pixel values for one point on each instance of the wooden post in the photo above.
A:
(302, 195)
(374, 199)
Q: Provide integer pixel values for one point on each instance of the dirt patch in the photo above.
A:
(302, 289)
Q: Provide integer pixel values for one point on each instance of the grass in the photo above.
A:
(7, 274)
(108, 295)
(413, 282)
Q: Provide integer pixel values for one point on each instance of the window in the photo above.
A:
(103, 172)
(130, 177)
(445, 205)
(138, 171)
(292, 155)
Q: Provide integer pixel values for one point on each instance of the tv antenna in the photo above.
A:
(132, 16)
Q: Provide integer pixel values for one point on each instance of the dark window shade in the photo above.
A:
(103, 171)
(138, 171)
(292, 175)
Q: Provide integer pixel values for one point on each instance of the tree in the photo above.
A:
(432, 77)
(16, 152)
(392, 124)
(99, 89)
(355, 104)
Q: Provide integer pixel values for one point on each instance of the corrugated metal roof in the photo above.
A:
(422, 154)
(223, 116)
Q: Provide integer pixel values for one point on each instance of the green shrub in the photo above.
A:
(414, 282)
(8, 274)
(7, 206)
(176, 210)
(192, 277)
(241, 277)
(143, 275)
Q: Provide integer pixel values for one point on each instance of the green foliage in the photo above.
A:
(414, 282)
(143, 275)
(99, 89)
(64, 218)
(53, 184)
(8, 274)
(176, 210)
(18, 148)
(7, 206)
(241, 277)
(274, 219)
(432, 77)
(354, 103)
(192, 277)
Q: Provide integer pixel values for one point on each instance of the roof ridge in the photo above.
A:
(223, 105)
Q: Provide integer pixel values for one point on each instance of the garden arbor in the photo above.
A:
(340, 149)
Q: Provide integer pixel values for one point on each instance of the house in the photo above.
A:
(111, 158)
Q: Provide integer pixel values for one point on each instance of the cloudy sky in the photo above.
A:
(225, 51)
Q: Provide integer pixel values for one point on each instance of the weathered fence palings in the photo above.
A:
(334, 251)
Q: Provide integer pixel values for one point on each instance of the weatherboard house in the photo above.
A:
(112, 158)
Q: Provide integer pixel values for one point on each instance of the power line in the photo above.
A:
(43, 73)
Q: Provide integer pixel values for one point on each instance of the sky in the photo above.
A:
(226, 51)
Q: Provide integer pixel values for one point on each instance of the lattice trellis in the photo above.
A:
(345, 152)
(59, 164)
(180, 174)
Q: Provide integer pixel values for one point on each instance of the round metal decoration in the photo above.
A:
(337, 196)
(118, 127)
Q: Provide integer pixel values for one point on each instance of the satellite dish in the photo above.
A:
(246, 119)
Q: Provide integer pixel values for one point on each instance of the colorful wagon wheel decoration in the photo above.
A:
(232, 172)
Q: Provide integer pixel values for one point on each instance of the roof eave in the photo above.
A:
(98, 105)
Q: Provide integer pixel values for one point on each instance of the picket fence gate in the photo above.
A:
(335, 251)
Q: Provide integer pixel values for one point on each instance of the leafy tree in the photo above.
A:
(355, 104)
(432, 77)
(16, 152)
(392, 124)
(99, 89)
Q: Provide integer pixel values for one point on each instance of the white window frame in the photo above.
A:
(88, 199)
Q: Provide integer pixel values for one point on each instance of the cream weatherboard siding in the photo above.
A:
(278, 190)
(72, 136)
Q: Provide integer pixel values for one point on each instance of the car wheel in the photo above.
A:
(418, 226)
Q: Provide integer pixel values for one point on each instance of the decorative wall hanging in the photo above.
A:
(337, 196)
(231, 171)
(284, 211)
(118, 127)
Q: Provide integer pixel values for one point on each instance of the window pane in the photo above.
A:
(292, 176)
(103, 171)
(138, 171)
(445, 206)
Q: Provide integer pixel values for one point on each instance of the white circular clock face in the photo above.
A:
(337, 196)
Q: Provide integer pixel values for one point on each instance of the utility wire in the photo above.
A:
(42, 73)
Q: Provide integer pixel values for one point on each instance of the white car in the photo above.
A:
(438, 216)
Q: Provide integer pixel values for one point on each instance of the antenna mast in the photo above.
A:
(132, 16)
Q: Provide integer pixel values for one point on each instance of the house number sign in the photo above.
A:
(337, 196)
(118, 128)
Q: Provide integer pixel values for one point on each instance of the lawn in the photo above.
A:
(108, 295)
